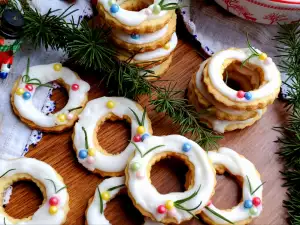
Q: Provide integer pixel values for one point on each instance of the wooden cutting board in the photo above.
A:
(255, 143)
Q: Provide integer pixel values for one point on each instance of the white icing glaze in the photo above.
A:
(238, 166)
(46, 73)
(200, 86)
(146, 195)
(157, 53)
(134, 18)
(143, 38)
(92, 113)
(220, 125)
(271, 74)
(40, 171)
(94, 215)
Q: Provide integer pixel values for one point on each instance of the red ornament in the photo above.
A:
(240, 94)
(256, 201)
(209, 203)
(53, 201)
(161, 209)
(75, 87)
(29, 87)
(137, 138)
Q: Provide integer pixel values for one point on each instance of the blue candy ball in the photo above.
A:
(83, 154)
(248, 204)
(135, 36)
(248, 96)
(186, 147)
(26, 95)
(114, 8)
(3, 75)
(145, 136)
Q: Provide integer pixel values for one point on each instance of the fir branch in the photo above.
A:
(116, 187)
(289, 53)
(90, 47)
(7, 172)
(48, 30)
(185, 115)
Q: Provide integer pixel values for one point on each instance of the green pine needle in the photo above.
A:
(55, 188)
(7, 172)
(289, 53)
(85, 138)
(218, 215)
(116, 187)
(101, 201)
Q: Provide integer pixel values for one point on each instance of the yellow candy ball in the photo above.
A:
(140, 130)
(169, 204)
(91, 152)
(110, 104)
(20, 91)
(62, 118)
(105, 195)
(167, 46)
(263, 56)
(53, 210)
(57, 67)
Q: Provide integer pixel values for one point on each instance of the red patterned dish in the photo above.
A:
(264, 11)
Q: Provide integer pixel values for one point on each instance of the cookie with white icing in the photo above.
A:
(26, 85)
(263, 71)
(55, 206)
(173, 207)
(135, 16)
(207, 101)
(250, 206)
(154, 57)
(105, 192)
(136, 42)
(89, 152)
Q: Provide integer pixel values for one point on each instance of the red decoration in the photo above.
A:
(75, 87)
(53, 201)
(256, 201)
(209, 203)
(275, 18)
(161, 209)
(94, 2)
(29, 87)
(137, 138)
(240, 94)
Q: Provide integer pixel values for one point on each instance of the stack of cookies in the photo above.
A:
(142, 30)
(233, 88)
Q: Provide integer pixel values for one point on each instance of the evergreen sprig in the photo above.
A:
(289, 53)
(185, 115)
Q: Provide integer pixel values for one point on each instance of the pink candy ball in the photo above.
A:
(148, 12)
(91, 160)
(172, 212)
(139, 175)
(70, 116)
(268, 61)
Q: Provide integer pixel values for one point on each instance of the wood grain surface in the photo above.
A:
(256, 143)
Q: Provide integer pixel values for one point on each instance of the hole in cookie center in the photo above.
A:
(136, 5)
(246, 78)
(169, 174)
(227, 184)
(120, 210)
(25, 200)
(113, 135)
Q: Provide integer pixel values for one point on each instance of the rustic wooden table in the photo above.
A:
(256, 143)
